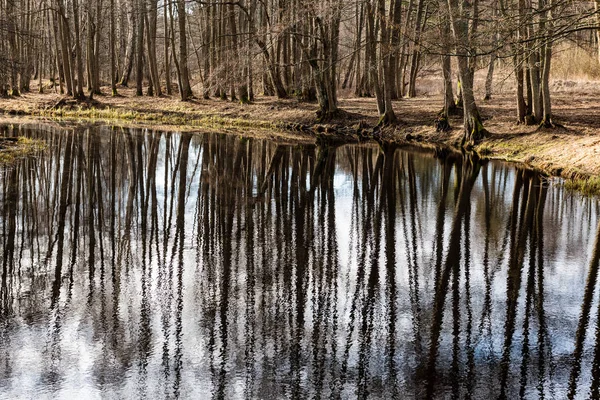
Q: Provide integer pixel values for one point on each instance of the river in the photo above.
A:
(147, 264)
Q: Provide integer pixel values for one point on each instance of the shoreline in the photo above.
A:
(572, 153)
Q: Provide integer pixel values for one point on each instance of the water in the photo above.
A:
(147, 264)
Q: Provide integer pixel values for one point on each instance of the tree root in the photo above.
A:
(530, 120)
(387, 119)
(475, 133)
(549, 124)
(455, 109)
(442, 124)
(71, 102)
(323, 117)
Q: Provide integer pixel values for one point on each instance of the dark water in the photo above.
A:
(145, 264)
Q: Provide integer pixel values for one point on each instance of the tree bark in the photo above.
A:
(185, 90)
(78, 58)
(113, 78)
(139, 65)
(131, 42)
(167, 33)
(388, 116)
(548, 24)
(459, 18)
(151, 19)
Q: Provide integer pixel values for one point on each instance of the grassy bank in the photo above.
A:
(175, 119)
(571, 152)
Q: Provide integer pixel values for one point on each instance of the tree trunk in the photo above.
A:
(131, 42)
(357, 44)
(597, 10)
(395, 30)
(113, 78)
(57, 58)
(388, 116)
(521, 106)
(534, 79)
(371, 49)
(547, 53)
(65, 46)
(450, 107)
(151, 19)
(167, 33)
(185, 90)
(414, 58)
(13, 45)
(459, 18)
(139, 65)
(78, 57)
(490, 77)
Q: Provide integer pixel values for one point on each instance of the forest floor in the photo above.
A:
(570, 151)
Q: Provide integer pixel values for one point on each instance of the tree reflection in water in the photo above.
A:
(147, 264)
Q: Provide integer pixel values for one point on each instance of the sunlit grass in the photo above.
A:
(178, 118)
(586, 186)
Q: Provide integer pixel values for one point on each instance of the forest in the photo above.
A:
(293, 199)
(310, 50)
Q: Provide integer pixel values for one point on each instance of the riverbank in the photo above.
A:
(571, 152)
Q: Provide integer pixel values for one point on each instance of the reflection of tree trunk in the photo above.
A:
(365, 228)
(487, 302)
(411, 246)
(62, 213)
(9, 228)
(179, 242)
(275, 162)
(543, 335)
(582, 326)
(469, 175)
(369, 303)
(441, 216)
(389, 189)
(513, 284)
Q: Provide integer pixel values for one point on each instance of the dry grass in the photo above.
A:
(571, 62)
(586, 186)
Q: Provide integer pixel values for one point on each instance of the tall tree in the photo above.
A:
(460, 12)
(185, 90)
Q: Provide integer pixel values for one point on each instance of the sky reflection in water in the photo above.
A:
(147, 264)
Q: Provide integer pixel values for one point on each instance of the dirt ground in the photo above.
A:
(569, 151)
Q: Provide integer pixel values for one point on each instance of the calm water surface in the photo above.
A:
(142, 264)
